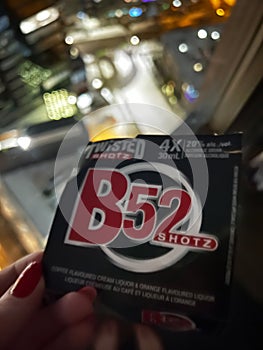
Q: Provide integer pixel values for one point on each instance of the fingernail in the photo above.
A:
(90, 292)
(27, 281)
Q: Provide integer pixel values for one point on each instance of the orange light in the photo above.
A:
(220, 12)
(215, 3)
(230, 2)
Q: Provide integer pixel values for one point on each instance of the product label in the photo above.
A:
(150, 222)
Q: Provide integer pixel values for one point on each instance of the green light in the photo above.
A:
(165, 6)
(57, 104)
(32, 74)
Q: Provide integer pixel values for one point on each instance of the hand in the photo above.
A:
(68, 324)
(113, 335)
(25, 324)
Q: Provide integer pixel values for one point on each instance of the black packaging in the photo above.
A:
(150, 223)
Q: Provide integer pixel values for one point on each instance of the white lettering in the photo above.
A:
(207, 243)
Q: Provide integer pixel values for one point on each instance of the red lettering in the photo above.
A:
(179, 214)
(99, 217)
(139, 202)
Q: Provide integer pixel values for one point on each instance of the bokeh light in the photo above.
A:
(202, 34)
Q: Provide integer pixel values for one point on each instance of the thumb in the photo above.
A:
(18, 304)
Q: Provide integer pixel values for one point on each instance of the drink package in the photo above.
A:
(150, 222)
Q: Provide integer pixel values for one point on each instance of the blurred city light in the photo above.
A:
(88, 58)
(220, 12)
(190, 93)
(173, 100)
(84, 101)
(177, 3)
(72, 100)
(10, 142)
(183, 48)
(118, 13)
(215, 35)
(32, 74)
(107, 95)
(81, 15)
(39, 20)
(135, 12)
(57, 104)
(106, 68)
(74, 52)
(134, 40)
(69, 40)
(215, 3)
(27, 26)
(198, 67)
(230, 2)
(202, 34)
(165, 6)
(24, 142)
(43, 15)
(169, 90)
(123, 63)
(97, 83)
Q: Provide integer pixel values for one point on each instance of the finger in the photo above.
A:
(20, 303)
(147, 339)
(76, 337)
(67, 311)
(9, 275)
(107, 336)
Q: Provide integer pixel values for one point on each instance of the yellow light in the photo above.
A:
(169, 89)
(118, 13)
(198, 67)
(173, 100)
(220, 12)
(164, 88)
(74, 52)
(59, 104)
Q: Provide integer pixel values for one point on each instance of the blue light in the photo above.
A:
(191, 93)
(135, 12)
(81, 15)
